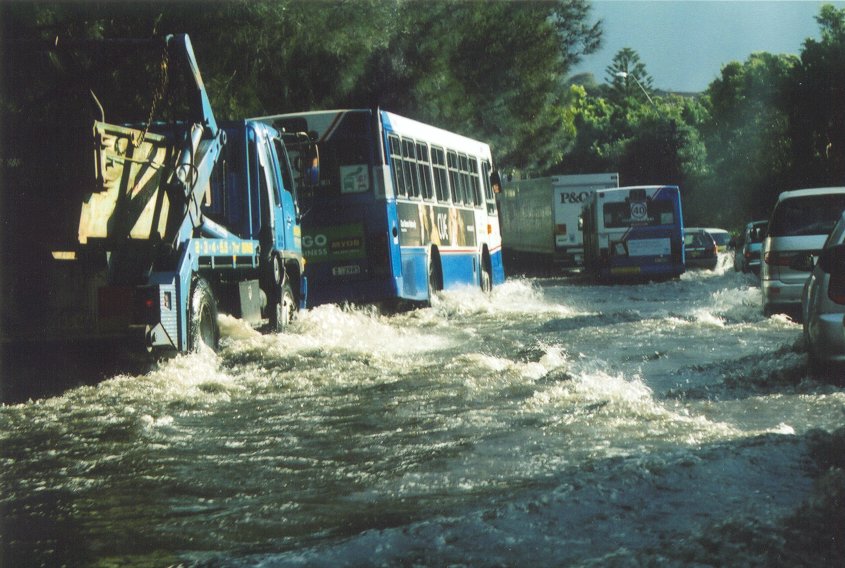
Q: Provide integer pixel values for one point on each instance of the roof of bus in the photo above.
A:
(627, 189)
(810, 192)
(415, 129)
(404, 127)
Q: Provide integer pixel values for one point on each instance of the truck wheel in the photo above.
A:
(202, 327)
(283, 312)
(278, 273)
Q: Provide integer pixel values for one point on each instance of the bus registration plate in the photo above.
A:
(649, 247)
(346, 270)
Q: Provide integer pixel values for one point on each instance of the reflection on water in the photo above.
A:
(555, 422)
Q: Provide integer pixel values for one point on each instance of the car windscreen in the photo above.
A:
(814, 215)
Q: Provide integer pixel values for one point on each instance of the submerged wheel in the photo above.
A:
(434, 284)
(202, 328)
(486, 279)
(283, 310)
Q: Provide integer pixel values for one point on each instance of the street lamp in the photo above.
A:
(624, 75)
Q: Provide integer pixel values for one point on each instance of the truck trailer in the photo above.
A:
(141, 232)
(540, 220)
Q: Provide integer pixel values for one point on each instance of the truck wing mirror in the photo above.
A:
(312, 168)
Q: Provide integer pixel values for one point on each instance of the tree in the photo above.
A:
(627, 76)
(491, 70)
(814, 93)
(746, 137)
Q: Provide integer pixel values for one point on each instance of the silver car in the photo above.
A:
(823, 303)
(800, 223)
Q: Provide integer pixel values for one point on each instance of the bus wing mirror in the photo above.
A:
(496, 181)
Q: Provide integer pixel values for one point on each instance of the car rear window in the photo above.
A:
(815, 215)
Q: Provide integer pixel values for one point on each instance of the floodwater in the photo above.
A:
(553, 424)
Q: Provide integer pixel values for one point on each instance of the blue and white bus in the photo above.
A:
(634, 233)
(392, 209)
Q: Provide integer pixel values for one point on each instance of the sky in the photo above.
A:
(685, 43)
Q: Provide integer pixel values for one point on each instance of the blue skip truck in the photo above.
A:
(144, 231)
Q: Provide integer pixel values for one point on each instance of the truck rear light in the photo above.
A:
(147, 305)
(560, 229)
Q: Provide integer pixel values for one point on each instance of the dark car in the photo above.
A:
(701, 249)
(747, 253)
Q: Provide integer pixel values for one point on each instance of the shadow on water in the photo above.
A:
(41, 531)
(34, 370)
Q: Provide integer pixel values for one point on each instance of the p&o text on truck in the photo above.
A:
(144, 231)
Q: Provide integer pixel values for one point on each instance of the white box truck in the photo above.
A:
(540, 220)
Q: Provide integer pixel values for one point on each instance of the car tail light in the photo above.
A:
(836, 288)
(778, 259)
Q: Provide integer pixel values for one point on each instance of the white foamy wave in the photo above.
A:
(617, 404)
(358, 329)
(739, 304)
(515, 296)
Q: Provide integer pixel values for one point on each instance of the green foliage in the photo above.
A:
(491, 70)
(647, 140)
(814, 95)
(628, 77)
(746, 140)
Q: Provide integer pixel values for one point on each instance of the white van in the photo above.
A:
(800, 223)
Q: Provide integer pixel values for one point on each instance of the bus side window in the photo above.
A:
(424, 168)
(441, 176)
(397, 165)
(465, 183)
(454, 178)
(409, 156)
(476, 184)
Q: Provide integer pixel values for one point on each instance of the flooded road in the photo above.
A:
(555, 423)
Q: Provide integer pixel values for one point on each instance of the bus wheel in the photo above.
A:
(202, 327)
(434, 284)
(283, 312)
(486, 279)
